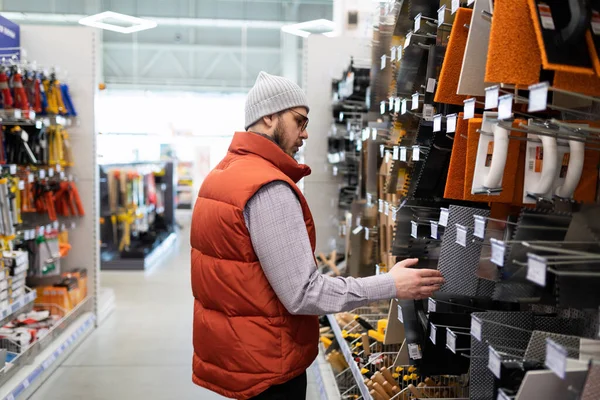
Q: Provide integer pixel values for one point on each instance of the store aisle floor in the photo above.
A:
(144, 348)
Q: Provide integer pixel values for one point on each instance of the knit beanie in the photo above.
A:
(272, 94)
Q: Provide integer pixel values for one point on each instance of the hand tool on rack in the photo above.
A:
(44, 200)
(20, 99)
(380, 391)
(15, 199)
(366, 345)
(7, 221)
(330, 262)
(27, 201)
(7, 99)
(32, 88)
(67, 200)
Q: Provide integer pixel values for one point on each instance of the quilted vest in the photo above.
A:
(245, 341)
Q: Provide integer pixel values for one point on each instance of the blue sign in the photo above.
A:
(10, 38)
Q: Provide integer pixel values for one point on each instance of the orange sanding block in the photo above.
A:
(452, 65)
(593, 51)
(581, 83)
(458, 159)
(514, 54)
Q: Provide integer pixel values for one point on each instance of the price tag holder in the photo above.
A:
(396, 153)
(13, 169)
(357, 230)
(400, 316)
(455, 6)
(556, 358)
(21, 185)
(416, 153)
(391, 104)
(491, 97)
(26, 383)
(382, 150)
(479, 230)
(428, 111)
(383, 58)
(386, 208)
(433, 333)
(431, 305)
(42, 174)
(461, 235)
(451, 340)
(476, 327)
(403, 153)
(536, 269)
(469, 111)
(441, 15)
(451, 123)
(437, 122)
(374, 133)
(403, 109)
(397, 105)
(394, 213)
(415, 102)
(30, 178)
(393, 51)
(367, 233)
(380, 206)
(538, 97)
(414, 351)
(382, 107)
(505, 104)
(417, 22)
(498, 252)
(434, 229)
(431, 82)
(494, 362)
(399, 53)
(444, 217)
(407, 40)
(414, 228)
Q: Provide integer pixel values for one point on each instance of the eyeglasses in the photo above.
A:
(303, 123)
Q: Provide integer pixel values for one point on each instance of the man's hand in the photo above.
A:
(415, 283)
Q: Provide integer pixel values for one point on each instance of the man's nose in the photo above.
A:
(304, 134)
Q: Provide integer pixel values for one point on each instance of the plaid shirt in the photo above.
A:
(275, 221)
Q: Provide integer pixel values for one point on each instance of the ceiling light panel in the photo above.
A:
(122, 23)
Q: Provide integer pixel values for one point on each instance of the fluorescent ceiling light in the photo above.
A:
(305, 29)
(116, 22)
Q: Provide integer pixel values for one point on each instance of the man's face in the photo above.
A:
(290, 130)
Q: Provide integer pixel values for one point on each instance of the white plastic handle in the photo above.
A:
(494, 177)
(549, 167)
(574, 170)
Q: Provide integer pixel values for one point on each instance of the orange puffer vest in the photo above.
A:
(245, 341)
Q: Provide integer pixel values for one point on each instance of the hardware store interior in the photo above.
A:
(462, 133)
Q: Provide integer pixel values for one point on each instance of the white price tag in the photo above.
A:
(13, 169)
(505, 104)
(393, 55)
(374, 133)
(341, 118)
(403, 110)
(476, 327)
(397, 105)
(469, 2)
(369, 199)
(400, 317)
(431, 305)
(383, 58)
(451, 123)
(455, 6)
(417, 22)
(433, 333)
(430, 85)
(451, 340)
(399, 53)
(416, 153)
(536, 269)
(59, 168)
(441, 15)
(366, 233)
(386, 208)
(494, 362)
(382, 107)
(24, 136)
(21, 185)
(469, 111)
(414, 351)
(434, 229)
(479, 230)
(444, 217)
(556, 358)
(538, 97)
(30, 178)
(380, 206)
(381, 150)
(18, 113)
(407, 40)
(415, 102)
(391, 104)
(461, 235)
(335, 172)
(414, 228)
(25, 383)
(357, 230)
(50, 172)
(437, 122)
(396, 153)
(491, 97)
(498, 251)
(42, 174)
(402, 153)
(38, 124)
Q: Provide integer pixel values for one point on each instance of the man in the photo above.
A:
(254, 277)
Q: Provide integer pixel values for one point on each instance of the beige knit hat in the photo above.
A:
(270, 95)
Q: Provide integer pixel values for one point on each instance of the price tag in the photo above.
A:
(431, 85)
(451, 340)
(341, 117)
(15, 306)
(380, 208)
(498, 251)
(494, 362)
(414, 227)
(397, 105)
(399, 53)
(25, 383)
(374, 133)
(10, 397)
(383, 58)
(431, 305)
(441, 15)
(386, 208)
(42, 174)
(415, 102)
(394, 213)
(476, 327)
(400, 316)
(434, 229)
(417, 22)
(30, 178)
(382, 107)
(455, 6)
(538, 97)
(396, 153)
(444, 217)
(469, 2)
(367, 231)
(50, 172)
(433, 333)
(357, 230)
(505, 104)
(369, 199)
(402, 153)
(393, 55)
(13, 169)
(491, 97)
(451, 123)
(18, 114)
(461, 235)
(38, 124)
(403, 110)
(59, 168)
(556, 358)
(479, 230)
(414, 351)
(469, 111)
(391, 104)
(437, 122)
(382, 150)
(407, 40)
(536, 269)
(55, 224)
(21, 185)
(416, 153)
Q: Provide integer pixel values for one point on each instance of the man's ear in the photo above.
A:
(269, 120)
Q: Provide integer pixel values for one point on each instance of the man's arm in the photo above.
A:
(275, 221)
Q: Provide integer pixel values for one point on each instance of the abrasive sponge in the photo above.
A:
(458, 161)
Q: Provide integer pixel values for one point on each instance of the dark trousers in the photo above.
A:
(294, 389)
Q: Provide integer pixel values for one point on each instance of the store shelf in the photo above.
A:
(146, 263)
(364, 391)
(324, 377)
(19, 306)
(21, 378)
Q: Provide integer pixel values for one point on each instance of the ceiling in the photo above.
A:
(216, 45)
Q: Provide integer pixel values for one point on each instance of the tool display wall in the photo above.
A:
(477, 153)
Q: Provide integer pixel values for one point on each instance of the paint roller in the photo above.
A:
(549, 167)
(499, 156)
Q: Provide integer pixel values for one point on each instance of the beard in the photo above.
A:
(279, 137)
